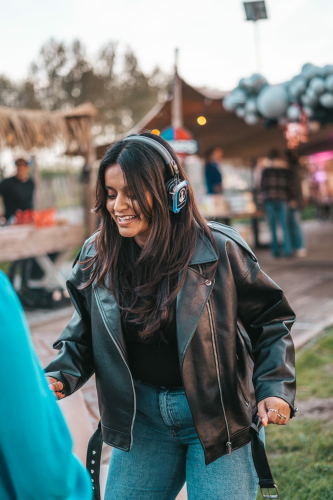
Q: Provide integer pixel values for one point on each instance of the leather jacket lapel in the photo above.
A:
(111, 316)
(191, 302)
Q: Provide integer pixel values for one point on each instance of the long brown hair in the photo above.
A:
(152, 281)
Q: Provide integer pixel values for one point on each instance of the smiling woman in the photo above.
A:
(123, 207)
(188, 338)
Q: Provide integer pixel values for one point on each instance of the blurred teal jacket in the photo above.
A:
(36, 459)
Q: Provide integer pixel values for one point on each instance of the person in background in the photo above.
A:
(296, 205)
(212, 173)
(277, 193)
(36, 459)
(17, 191)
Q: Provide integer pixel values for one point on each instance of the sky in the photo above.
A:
(216, 44)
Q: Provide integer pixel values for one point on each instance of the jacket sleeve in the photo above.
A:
(35, 445)
(267, 318)
(74, 364)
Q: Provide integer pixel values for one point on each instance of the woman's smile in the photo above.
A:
(121, 205)
(125, 220)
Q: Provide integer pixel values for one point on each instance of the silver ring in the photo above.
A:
(271, 409)
(282, 416)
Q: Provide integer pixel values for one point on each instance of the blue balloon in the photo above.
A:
(251, 106)
(326, 100)
(329, 83)
(240, 111)
(272, 101)
(293, 113)
(327, 70)
(297, 86)
(309, 71)
(251, 118)
(317, 84)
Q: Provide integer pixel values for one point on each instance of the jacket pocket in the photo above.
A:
(246, 400)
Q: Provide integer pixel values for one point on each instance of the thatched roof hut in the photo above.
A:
(30, 129)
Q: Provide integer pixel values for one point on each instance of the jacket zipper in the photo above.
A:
(229, 444)
(123, 358)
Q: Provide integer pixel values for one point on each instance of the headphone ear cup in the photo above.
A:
(177, 194)
(169, 186)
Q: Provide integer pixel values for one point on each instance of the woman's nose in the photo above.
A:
(121, 203)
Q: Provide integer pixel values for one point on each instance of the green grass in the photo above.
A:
(309, 212)
(314, 370)
(301, 453)
(4, 266)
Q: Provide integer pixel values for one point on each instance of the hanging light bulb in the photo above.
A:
(201, 120)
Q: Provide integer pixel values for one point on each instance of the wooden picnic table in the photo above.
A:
(24, 241)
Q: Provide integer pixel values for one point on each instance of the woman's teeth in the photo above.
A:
(126, 218)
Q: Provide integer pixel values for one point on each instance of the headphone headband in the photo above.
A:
(176, 189)
(171, 165)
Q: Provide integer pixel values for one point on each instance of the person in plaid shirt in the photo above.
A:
(278, 194)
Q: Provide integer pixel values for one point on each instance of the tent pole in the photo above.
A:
(90, 219)
(176, 103)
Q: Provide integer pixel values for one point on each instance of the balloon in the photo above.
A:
(312, 96)
(251, 106)
(240, 111)
(244, 83)
(239, 96)
(309, 71)
(307, 101)
(297, 86)
(293, 113)
(251, 118)
(228, 104)
(317, 84)
(231, 101)
(326, 100)
(272, 101)
(329, 83)
(308, 111)
(327, 70)
(257, 83)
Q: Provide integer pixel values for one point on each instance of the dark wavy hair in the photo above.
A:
(150, 283)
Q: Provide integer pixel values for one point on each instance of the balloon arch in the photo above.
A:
(307, 97)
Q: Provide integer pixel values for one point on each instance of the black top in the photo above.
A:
(153, 361)
(17, 195)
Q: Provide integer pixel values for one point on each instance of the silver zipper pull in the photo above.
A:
(229, 448)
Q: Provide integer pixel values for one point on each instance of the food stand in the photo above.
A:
(31, 130)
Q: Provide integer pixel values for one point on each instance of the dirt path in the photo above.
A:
(315, 409)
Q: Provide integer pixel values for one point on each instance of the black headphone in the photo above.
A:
(176, 189)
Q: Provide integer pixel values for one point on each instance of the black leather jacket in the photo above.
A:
(234, 344)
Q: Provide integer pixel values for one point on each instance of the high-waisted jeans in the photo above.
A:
(166, 452)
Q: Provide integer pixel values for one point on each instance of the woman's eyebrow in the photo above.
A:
(109, 187)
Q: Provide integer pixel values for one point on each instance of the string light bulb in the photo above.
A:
(201, 120)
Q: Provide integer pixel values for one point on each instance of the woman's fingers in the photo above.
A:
(273, 411)
(56, 386)
(262, 414)
(59, 395)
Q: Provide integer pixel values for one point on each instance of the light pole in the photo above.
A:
(254, 12)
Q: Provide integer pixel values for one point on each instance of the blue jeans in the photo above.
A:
(277, 213)
(166, 452)
(295, 229)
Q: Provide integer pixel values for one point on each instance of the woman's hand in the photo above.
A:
(56, 387)
(273, 411)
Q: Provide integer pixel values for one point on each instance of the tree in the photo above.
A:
(64, 77)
